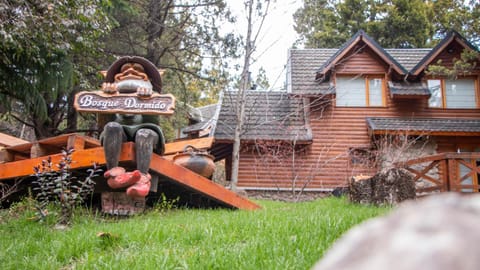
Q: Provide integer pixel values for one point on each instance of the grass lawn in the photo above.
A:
(280, 236)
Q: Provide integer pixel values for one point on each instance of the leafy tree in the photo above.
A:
(317, 23)
(393, 23)
(182, 37)
(406, 24)
(459, 15)
(45, 47)
(261, 81)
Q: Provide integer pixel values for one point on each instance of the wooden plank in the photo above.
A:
(82, 159)
(49, 146)
(421, 160)
(178, 146)
(444, 175)
(201, 184)
(21, 148)
(7, 140)
(37, 150)
(462, 155)
(5, 156)
(452, 173)
(76, 142)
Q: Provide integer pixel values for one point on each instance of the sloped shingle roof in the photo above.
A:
(305, 63)
(361, 36)
(427, 125)
(268, 115)
(303, 67)
(399, 89)
(408, 58)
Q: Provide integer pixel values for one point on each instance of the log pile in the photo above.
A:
(385, 188)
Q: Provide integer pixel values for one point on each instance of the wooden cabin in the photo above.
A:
(357, 109)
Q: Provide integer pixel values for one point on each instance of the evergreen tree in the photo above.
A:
(182, 37)
(392, 23)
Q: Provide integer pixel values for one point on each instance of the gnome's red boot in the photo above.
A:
(124, 180)
(140, 188)
(114, 172)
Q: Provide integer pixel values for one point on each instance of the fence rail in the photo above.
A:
(443, 172)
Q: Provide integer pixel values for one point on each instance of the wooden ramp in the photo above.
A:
(19, 160)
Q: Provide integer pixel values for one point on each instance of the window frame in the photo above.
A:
(366, 79)
(443, 91)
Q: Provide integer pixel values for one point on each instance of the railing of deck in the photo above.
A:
(458, 172)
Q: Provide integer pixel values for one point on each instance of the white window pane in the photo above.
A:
(375, 92)
(436, 93)
(460, 93)
(350, 91)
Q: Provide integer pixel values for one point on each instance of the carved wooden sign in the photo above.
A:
(100, 102)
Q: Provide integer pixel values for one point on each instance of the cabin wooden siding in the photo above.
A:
(325, 163)
(363, 62)
(452, 53)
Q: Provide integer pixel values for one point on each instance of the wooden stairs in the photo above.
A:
(18, 161)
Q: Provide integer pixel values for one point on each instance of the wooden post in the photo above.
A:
(444, 175)
(451, 178)
(75, 142)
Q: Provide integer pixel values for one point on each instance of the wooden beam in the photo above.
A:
(5, 156)
(421, 160)
(201, 184)
(38, 150)
(81, 159)
(76, 142)
(7, 140)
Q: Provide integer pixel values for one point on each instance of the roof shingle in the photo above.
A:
(303, 67)
(304, 64)
(408, 89)
(268, 115)
(427, 125)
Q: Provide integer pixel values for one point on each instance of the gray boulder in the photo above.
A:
(439, 232)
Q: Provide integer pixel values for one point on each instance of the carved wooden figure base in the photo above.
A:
(118, 203)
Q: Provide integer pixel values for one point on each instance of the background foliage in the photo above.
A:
(393, 23)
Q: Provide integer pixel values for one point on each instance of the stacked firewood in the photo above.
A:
(385, 188)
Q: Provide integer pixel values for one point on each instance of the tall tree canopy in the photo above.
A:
(393, 23)
(184, 38)
(44, 48)
(52, 49)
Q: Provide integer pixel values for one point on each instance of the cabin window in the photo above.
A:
(453, 94)
(360, 91)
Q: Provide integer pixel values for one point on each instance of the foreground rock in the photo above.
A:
(439, 232)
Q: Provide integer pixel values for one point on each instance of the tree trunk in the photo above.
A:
(242, 92)
(386, 188)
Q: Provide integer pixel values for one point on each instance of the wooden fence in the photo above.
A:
(458, 172)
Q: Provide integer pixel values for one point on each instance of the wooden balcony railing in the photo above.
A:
(458, 172)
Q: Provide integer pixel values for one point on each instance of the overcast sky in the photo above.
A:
(276, 37)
